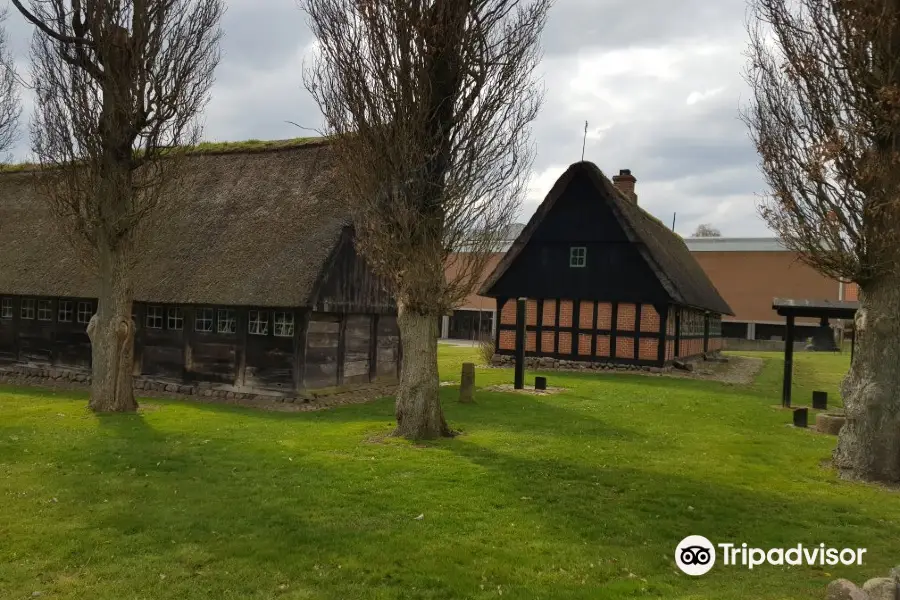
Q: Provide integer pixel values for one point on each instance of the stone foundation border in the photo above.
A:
(59, 378)
(547, 363)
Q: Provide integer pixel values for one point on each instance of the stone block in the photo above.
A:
(842, 589)
(882, 588)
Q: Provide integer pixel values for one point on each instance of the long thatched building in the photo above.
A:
(249, 280)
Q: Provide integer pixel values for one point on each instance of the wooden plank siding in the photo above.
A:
(260, 348)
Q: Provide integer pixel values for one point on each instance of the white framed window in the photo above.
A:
(85, 312)
(45, 310)
(176, 319)
(284, 324)
(6, 308)
(154, 318)
(577, 256)
(258, 324)
(227, 321)
(27, 311)
(66, 311)
(203, 320)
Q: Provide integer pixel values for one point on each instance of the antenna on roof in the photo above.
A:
(675, 214)
(584, 144)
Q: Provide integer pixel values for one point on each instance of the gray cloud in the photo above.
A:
(627, 67)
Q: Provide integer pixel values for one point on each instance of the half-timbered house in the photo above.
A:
(605, 281)
(247, 278)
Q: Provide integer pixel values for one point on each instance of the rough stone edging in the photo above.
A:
(71, 379)
(547, 363)
(880, 588)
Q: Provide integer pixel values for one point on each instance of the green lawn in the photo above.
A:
(579, 495)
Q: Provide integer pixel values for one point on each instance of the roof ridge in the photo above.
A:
(252, 146)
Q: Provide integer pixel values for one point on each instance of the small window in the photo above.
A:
(6, 308)
(66, 311)
(577, 256)
(176, 319)
(227, 321)
(259, 322)
(45, 310)
(203, 321)
(85, 312)
(154, 319)
(27, 311)
(284, 324)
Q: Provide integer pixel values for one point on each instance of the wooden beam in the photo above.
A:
(520, 343)
(301, 329)
(373, 349)
(637, 330)
(243, 324)
(663, 334)
(614, 327)
(342, 349)
(788, 363)
(706, 332)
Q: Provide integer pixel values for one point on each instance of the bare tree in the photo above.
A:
(707, 230)
(825, 117)
(120, 85)
(429, 104)
(10, 106)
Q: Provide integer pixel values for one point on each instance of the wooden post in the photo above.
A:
(467, 384)
(520, 344)
(788, 363)
(852, 342)
(540, 383)
(801, 417)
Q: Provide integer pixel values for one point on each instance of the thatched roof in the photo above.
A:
(665, 252)
(249, 224)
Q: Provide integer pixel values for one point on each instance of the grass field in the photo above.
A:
(584, 494)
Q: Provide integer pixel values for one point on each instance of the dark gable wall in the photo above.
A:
(349, 285)
(615, 270)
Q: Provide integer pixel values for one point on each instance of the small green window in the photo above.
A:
(577, 256)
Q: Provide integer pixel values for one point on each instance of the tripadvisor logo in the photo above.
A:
(696, 555)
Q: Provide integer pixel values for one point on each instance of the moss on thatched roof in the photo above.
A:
(247, 224)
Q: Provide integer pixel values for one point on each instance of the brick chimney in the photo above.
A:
(625, 182)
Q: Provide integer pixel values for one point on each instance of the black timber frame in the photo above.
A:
(666, 313)
(821, 309)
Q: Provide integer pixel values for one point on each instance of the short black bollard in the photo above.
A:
(540, 383)
(801, 417)
(820, 400)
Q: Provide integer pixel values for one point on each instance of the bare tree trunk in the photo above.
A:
(112, 338)
(419, 413)
(869, 443)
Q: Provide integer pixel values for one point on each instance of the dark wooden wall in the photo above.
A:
(349, 285)
(615, 270)
(320, 350)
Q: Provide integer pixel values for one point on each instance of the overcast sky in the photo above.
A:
(658, 81)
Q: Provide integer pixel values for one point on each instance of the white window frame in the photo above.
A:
(578, 257)
(227, 322)
(45, 310)
(27, 310)
(258, 322)
(65, 312)
(6, 308)
(284, 324)
(85, 312)
(175, 320)
(205, 320)
(155, 317)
